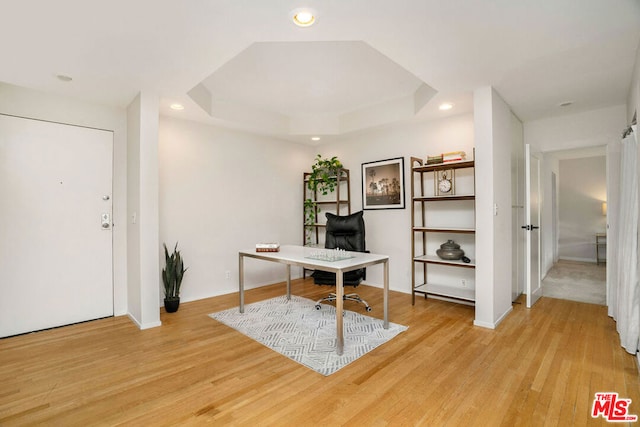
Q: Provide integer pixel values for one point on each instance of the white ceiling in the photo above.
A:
(263, 73)
(312, 88)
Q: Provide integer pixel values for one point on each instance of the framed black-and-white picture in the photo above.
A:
(383, 184)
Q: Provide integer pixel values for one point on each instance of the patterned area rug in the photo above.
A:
(308, 336)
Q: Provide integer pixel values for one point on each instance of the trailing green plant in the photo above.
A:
(173, 273)
(323, 179)
(324, 175)
(309, 218)
(309, 212)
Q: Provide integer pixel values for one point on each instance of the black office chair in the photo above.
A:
(343, 232)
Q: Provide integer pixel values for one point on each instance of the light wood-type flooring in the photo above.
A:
(539, 367)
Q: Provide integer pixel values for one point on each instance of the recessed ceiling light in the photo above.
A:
(315, 138)
(445, 106)
(303, 17)
(64, 78)
(565, 104)
(177, 107)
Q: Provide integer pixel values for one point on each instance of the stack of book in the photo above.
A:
(434, 160)
(267, 247)
(453, 156)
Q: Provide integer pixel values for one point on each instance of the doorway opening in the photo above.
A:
(576, 265)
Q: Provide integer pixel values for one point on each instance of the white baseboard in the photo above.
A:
(495, 324)
(134, 320)
(484, 324)
(566, 258)
(151, 325)
(143, 326)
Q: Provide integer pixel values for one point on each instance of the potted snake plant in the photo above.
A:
(172, 276)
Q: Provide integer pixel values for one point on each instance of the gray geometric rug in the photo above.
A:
(308, 336)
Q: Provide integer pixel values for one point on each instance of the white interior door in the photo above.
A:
(55, 224)
(532, 227)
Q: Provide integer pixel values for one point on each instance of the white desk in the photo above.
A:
(295, 255)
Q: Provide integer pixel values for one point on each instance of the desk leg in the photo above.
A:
(241, 281)
(289, 282)
(386, 294)
(339, 304)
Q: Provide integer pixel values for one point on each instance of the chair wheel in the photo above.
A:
(369, 309)
(318, 307)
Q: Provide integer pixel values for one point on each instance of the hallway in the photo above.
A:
(576, 281)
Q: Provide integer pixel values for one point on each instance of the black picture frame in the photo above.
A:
(383, 184)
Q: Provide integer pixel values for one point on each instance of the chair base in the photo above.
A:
(347, 297)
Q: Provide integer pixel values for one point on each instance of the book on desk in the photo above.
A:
(267, 247)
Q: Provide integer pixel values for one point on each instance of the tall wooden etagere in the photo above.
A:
(337, 202)
(424, 202)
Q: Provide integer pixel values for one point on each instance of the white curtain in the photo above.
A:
(624, 290)
(613, 206)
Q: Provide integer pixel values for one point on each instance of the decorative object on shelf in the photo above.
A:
(383, 184)
(445, 182)
(450, 251)
(172, 276)
(267, 247)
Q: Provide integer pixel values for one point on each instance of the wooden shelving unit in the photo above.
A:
(422, 254)
(338, 202)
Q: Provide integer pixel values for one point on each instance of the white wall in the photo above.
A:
(493, 140)
(389, 230)
(30, 103)
(239, 186)
(222, 191)
(134, 288)
(142, 209)
(582, 190)
(549, 244)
